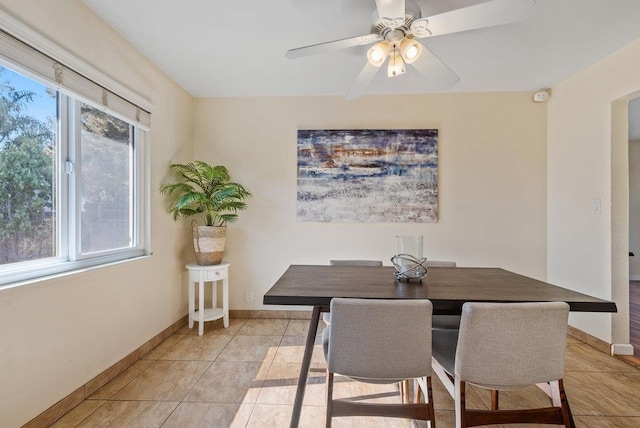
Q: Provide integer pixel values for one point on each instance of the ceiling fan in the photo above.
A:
(396, 25)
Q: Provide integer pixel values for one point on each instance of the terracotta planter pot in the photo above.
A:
(208, 243)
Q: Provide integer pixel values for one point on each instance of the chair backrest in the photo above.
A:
(355, 263)
(385, 340)
(511, 345)
(439, 263)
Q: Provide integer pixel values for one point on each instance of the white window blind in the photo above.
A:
(66, 80)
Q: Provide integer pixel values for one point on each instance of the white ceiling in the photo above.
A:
(216, 48)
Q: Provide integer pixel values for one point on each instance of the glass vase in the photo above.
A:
(408, 259)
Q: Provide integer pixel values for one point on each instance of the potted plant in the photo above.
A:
(208, 192)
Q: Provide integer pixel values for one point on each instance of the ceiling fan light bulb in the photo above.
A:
(378, 53)
(410, 50)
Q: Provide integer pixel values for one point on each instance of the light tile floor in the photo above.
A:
(245, 376)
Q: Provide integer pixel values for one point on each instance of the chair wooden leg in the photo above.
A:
(564, 404)
(423, 389)
(404, 391)
(417, 395)
(559, 414)
(417, 411)
(555, 391)
(429, 400)
(460, 404)
(494, 399)
(329, 398)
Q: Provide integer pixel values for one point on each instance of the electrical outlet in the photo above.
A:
(248, 296)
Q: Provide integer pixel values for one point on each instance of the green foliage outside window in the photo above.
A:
(27, 154)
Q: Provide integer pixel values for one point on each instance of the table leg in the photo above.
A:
(304, 370)
(192, 302)
(225, 302)
(201, 308)
(214, 294)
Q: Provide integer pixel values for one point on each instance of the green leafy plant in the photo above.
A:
(207, 191)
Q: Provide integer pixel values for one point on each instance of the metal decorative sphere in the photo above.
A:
(409, 267)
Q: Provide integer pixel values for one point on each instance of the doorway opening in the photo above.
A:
(634, 225)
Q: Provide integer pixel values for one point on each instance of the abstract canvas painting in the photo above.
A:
(368, 175)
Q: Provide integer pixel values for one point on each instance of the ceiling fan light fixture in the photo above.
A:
(378, 53)
(396, 65)
(410, 50)
(395, 23)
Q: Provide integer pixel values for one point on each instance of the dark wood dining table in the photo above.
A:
(447, 288)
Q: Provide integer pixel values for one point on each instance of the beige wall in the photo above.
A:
(586, 160)
(492, 181)
(56, 335)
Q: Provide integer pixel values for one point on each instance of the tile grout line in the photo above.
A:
(154, 361)
(267, 374)
(201, 376)
(610, 390)
(86, 417)
(111, 398)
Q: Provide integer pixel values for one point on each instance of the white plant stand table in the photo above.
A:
(213, 274)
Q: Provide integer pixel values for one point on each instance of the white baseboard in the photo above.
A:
(634, 277)
(621, 349)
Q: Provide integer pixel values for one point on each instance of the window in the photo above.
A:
(72, 168)
(27, 172)
(106, 182)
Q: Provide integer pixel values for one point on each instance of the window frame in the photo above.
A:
(68, 259)
(74, 156)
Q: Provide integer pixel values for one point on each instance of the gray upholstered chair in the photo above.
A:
(379, 341)
(355, 263)
(326, 317)
(439, 263)
(446, 322)
(504, 346)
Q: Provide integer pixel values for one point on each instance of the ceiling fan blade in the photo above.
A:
(431, 67)
(488, 14)
(390, 9)
(364, 78)
(330, 46)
